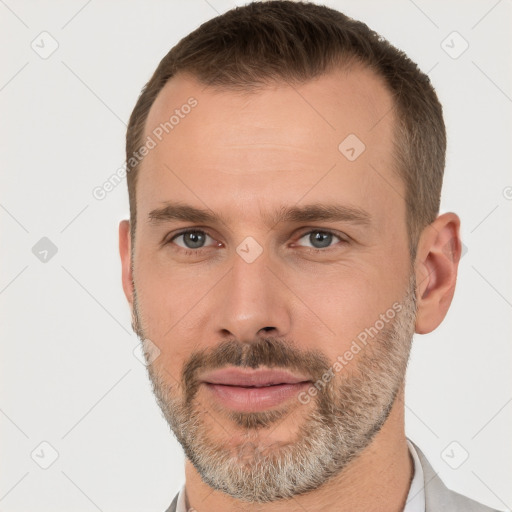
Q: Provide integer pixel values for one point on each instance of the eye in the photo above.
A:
(192, 239)
(320, 239)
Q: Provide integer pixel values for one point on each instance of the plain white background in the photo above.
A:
(69, 376)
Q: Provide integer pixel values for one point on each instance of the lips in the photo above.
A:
(253, 390)
(252, 378)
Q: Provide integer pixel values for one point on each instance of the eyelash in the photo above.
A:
(189, 252)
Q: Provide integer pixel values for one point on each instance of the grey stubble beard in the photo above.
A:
(341, 421)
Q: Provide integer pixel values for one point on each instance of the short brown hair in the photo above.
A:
(263, 42)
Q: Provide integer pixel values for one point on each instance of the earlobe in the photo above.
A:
(125, 253)
(438, 256)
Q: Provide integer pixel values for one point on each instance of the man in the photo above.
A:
(284, 244)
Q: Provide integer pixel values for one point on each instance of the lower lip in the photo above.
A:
(255, 399)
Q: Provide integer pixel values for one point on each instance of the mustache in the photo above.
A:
(267, 352)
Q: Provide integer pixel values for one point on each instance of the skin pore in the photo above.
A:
(246, 159)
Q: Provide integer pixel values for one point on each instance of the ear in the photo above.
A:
(437, 261)
(125, 250)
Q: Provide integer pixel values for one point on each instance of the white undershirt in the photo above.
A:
(415, 499)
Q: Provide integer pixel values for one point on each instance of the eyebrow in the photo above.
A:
(294, 214)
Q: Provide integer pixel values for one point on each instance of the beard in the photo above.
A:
(343, 416)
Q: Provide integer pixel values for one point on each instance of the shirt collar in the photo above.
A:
(416, 498)
(181, 506)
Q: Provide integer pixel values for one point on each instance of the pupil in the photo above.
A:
(319, 239)
(194, 239)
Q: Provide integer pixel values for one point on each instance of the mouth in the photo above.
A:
(253, 390)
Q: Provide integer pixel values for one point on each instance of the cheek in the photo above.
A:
(163, 310)
(338, 304)
(171, 303)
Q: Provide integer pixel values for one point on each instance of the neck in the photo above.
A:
(378, 480)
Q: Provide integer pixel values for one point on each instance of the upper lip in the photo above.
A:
(257, 378)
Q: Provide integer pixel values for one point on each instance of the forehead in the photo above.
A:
(241, 146)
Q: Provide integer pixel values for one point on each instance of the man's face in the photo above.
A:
(251, 288)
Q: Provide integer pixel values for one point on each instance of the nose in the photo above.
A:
(251, 301)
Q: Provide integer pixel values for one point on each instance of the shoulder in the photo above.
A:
(438, 498)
